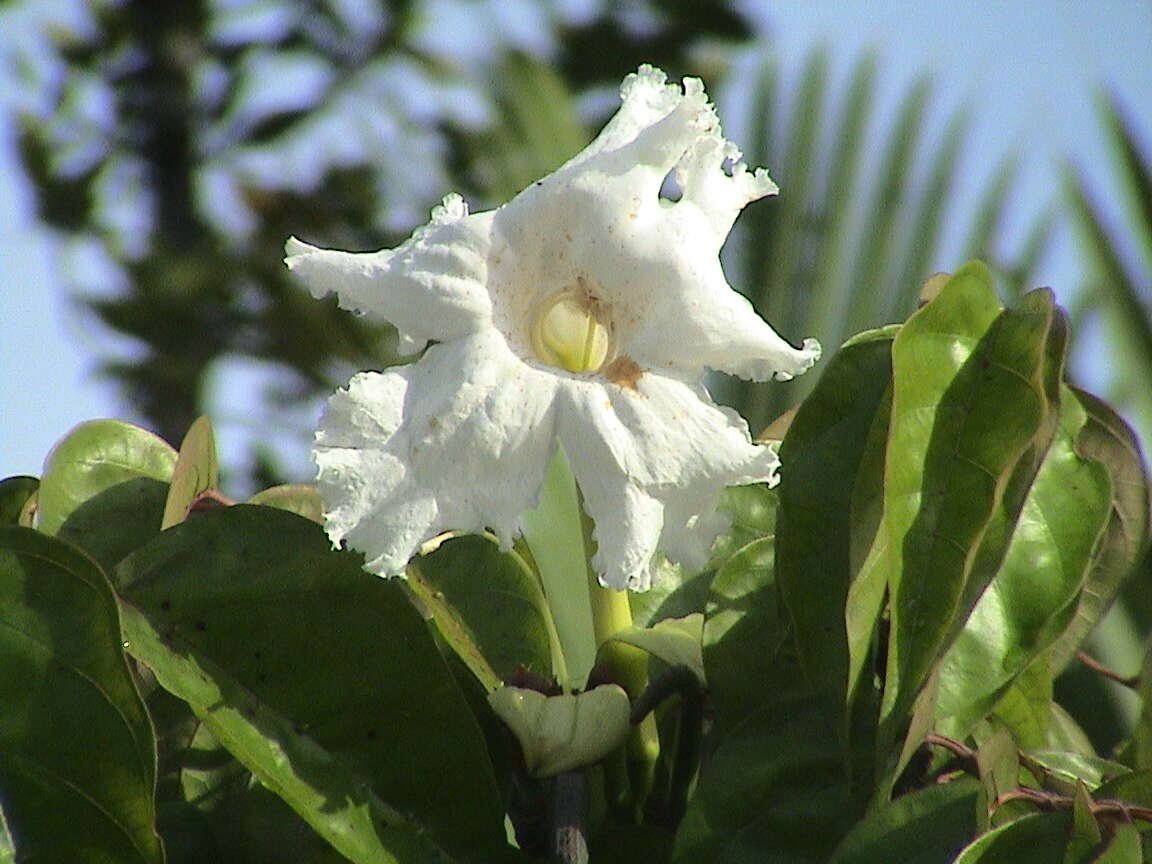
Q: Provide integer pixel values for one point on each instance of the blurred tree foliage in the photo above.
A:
(185, 141)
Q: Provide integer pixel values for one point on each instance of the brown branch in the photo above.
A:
(1107, 808)
(957, 748)
(1130, 681)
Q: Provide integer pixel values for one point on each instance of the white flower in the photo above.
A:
(583, 313)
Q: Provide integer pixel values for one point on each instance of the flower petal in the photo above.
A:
(459, 440)
(651, 462)
(432, 286)
(707, 324)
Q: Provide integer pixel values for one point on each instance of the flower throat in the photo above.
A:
(571, 330)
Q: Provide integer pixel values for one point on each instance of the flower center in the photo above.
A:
(571, 330)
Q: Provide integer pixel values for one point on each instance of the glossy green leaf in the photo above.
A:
(92, 457)
(927, 826)
(1038, 838)
(968, 399)
(1107, 439)
(14, 494)
(355, 691)
(77, 760)
(298, 498)
(676, 641)
(117, 521)
(196, 472)
(823, 451)
(488, 605)
(1035, 592)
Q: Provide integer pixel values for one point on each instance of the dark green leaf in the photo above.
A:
(1084, 835)
(774, 786)
(488, 605)
(14, 494)
(336, 801)
(928, 826)
(823, 452)
(745, 635)
(77, 761)
(355, 691)
(118, 520)
(93, 456)
(1039, 838)
(1124, 846)
(774, 790)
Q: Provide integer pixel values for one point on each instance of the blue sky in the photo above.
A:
(1029, 70)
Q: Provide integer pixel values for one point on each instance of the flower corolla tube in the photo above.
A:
(584, 314)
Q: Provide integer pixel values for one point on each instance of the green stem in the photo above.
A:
(623, 664)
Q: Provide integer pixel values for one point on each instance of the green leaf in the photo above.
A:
(337, 802)
(1123, 847)
(567, 731)
(676, 641)
(1133, 788)
(1035, 592)
(196, 471)
(117, 521)
(298, 498)
(1025, 707)
(999, 765)
(775, 783)
(92, 457)
(773, 790)
(823, 450)
(355, 692)
(488, 605)
(745, 635)
(1107, 439)
(14, 494)
(1085, 834)
(77, 761)
(1062, 770)
(1038, 838)
(555, 536)
(969, 397)
(928, 826)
